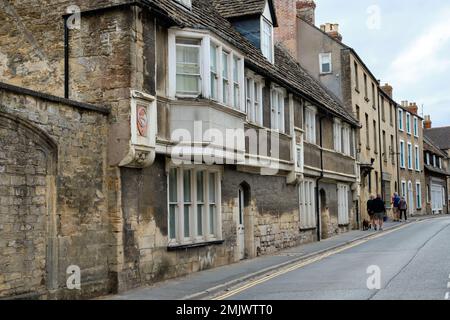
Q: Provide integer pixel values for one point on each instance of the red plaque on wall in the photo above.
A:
(142, 120)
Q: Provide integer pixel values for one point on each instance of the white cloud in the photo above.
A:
(422, 59)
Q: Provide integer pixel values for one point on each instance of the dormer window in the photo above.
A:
(186, 3)
(267, 39)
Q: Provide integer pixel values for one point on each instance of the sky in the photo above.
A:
(405, 43)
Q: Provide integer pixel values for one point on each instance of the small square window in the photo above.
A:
(325, 63)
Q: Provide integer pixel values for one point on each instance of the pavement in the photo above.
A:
(223, 280)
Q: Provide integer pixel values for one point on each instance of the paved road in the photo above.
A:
(414, 263)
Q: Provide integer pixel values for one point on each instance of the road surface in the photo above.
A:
(412, 263)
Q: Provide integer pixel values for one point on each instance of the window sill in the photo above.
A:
(308, 229)
(326, 73)
(357, 90)
(194, 245)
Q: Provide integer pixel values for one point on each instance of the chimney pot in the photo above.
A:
(332, 29)
(427, 122)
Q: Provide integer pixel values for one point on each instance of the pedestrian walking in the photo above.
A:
(395, 202)
(371, 212)
(403, 206)
(379, 210)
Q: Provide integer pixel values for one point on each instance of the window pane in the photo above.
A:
(225, 65)
(188, 84)
(212, 188)
(200, 187)
(213, 58)
(172, 218)
(200, 220)
(236, 96)
(236, 70)
(212, 219)
(186, 220)
(173, 185)
(187, 185)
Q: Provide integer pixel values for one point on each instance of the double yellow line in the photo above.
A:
(304, 264)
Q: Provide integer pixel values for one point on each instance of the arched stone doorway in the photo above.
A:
(245, 227)
(28, 255)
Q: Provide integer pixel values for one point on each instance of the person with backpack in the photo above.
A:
(395, 202)
(403, 206)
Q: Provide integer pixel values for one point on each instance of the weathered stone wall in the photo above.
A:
(64, 179)
(32, 42)
(274, 224)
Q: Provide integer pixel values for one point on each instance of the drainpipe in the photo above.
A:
(66, 58)
(380, 148)
(318, 218)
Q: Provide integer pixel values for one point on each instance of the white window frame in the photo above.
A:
(416, 127)
(278, 95)
(337, 135)
(207, 40)
(400, 120)
(307, 203)
(208, 234)
(434, 161)
(417, 158)
(254, 98)
(322, 57)
(410, 156)
(418, 195)
(270, 46)
(408, 123)
(402, 155)
(343, 207)
(310, 124)
(440, 163)
(404, 189)
(427, 156)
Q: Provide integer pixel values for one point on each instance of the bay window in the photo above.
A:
(194, 205)
(202, 66)
(277, 107)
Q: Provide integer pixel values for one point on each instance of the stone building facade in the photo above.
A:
(411, 162)
(129, 200)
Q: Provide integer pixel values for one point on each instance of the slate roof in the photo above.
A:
(429, 145)
(440, 136)
(240, 8)
(286, 71)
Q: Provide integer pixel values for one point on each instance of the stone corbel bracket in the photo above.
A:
(143, 126)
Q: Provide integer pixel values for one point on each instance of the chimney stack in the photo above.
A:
(286, 33)
(388, 90)
(332, 29)
(413, 108)
(427, 124)
(405, 103)
(306, 9)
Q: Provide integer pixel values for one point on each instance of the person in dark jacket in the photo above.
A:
(379, 210)
(371, 213)
(403, 206)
